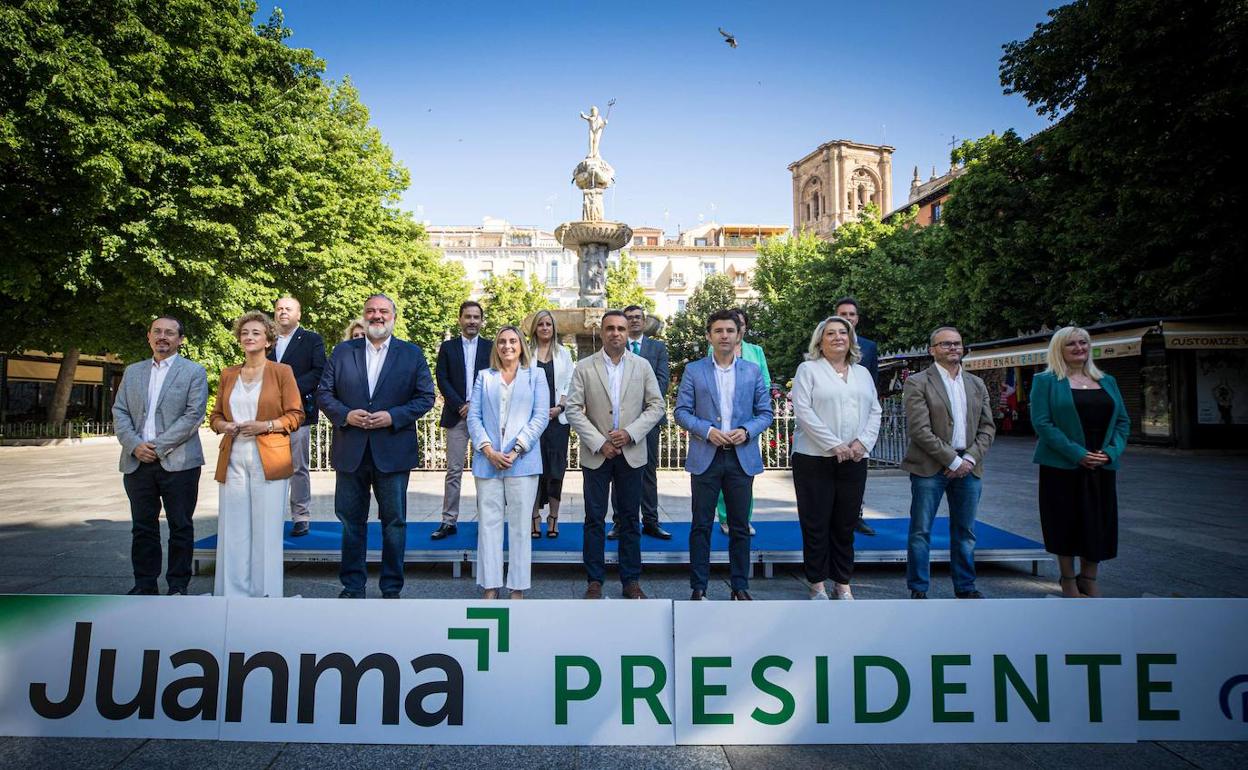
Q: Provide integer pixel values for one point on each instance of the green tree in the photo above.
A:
(508, 299)
(624, 287)
(686, 331)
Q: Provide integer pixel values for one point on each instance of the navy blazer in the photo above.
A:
(305, 355)
(450, 372)
(870, 359)
(404, 389)
(655, 353)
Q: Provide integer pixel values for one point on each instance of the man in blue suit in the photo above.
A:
(847, 308)
(655, 354)
(724, 404)
(374, 390)
(459, 361)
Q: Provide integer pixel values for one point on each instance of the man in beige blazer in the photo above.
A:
(613, 403)
(949, 419)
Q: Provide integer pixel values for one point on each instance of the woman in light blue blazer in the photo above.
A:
(1082, 427)
(509, 409)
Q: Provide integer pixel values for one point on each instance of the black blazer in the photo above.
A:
(450, 373)
(306, 356)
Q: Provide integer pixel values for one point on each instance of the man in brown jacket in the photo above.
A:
(949, 420)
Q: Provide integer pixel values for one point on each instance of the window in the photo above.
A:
(486, 275)
(699, 241)
(739, 279)
(708, 269)
(639, 240)
(652, 240)
(680, 306)
(936, 210)
(645, 272)
(552, 273)
(678, 279)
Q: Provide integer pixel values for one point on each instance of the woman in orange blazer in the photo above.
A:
(258, 406)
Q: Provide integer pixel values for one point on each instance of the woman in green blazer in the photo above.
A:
(1082, 426)
(746, 351)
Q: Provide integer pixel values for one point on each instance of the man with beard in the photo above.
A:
(374, 389)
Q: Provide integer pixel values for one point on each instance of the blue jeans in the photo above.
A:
(599, 482)
(351, 506)
(925, 494)
(723, 476)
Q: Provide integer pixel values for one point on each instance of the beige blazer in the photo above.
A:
(929, 421)
(279, 401)
(589, 407)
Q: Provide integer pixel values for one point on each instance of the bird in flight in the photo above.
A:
(729, 38)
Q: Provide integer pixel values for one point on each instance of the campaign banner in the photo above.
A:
(942, 671)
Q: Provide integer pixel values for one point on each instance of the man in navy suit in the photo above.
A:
(459, 360)
(303, 351)
(847, 308)
(374, 389)
(655, 353)
(724, 404)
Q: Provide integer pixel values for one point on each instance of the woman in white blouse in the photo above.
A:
(507, 413)
(556, 361)
(838, 419)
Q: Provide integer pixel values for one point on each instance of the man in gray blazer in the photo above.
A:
(613, 403)
(157, 414)
(655, 353)
(949, 419)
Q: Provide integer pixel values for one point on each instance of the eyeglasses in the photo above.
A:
(948, 345)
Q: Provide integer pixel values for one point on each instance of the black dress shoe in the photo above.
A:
(697, 596)
(143, 591)
(863, 527)
(918, 594)
(390, 594)
(300, 528)
(346, 594)
(742, 596)
(614, 534)
(654, 530)
(443, 530)
(972, 594)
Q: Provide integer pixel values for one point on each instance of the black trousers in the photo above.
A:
(829, 495)
(649, 485)
(149, 487)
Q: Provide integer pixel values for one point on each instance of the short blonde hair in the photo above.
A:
(554, 328)
(496, 362)
(356, 323)
(270, 328)
(815, 350)
(1057, 362)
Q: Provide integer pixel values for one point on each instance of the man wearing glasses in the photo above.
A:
(950, 423)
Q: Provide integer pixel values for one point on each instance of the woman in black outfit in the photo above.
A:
(556, 361)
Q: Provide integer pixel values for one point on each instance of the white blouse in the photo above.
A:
(831, 411)
(244, 400)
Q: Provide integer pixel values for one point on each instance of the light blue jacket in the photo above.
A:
(527, 415)
(697, 411)
(1061, 441)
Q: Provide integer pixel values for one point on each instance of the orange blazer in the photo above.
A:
(279, 402)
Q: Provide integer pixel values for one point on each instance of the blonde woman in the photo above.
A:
(508, 410)
(1082, 426)
(838, 420)
(355, 330)
(258, 407)
(556, 361)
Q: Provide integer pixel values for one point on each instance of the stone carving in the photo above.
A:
(592, 272)
(596, 124)
(591, 206)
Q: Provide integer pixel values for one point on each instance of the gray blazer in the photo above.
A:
(179, 414)
(589, 407)
(929, 421)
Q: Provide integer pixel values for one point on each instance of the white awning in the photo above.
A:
(1116, 344)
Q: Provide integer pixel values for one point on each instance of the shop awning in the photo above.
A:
(1116, 344)
(1182, 335)
(84, 374)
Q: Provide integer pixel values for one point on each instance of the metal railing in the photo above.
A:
(44, 430)
(775, 443)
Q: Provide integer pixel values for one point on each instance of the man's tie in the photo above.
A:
(636, 347)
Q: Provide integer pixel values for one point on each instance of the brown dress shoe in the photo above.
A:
(594, 590)
(633, 591)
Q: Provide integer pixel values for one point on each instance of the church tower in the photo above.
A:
(832, 184)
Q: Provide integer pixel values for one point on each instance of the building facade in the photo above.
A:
(833, 183)
(930, 196)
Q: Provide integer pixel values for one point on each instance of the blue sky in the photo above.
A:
(480, 101)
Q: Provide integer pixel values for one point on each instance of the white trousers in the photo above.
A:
(249, 527)
(509, 499)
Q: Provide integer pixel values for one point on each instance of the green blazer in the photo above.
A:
(1060, 434)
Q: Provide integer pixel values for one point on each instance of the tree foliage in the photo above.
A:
(508, 299)
(686, 330)
(624, 285)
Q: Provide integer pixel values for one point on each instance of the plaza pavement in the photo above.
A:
(64, 528)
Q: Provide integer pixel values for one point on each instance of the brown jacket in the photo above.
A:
(929, 421)
(279, 402)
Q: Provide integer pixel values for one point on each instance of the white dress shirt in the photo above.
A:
(374, 359)
(160, 370)
(470, 364)
(830, 411)
(615, 377)
(955, 388)
(283, 341)
(726, 382)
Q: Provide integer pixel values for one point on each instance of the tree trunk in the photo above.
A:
(64, 385)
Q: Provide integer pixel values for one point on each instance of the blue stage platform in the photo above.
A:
(776, 542)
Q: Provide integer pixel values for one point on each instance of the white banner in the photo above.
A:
(616, 672)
